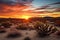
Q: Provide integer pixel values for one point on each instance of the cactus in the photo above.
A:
(44, 29)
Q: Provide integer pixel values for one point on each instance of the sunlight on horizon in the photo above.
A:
(25, 17)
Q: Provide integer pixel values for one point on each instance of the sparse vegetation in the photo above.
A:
(6, 25)
(2, 29)
(27, 38)
(44, 29)
(22, 27)
(13, 33)
(58, 33)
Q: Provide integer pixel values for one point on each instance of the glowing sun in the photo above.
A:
(25, 17)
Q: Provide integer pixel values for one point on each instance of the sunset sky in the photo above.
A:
(29, 8)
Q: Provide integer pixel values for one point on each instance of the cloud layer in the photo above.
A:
(8, 7)
(49, 8)
(13, 2)
(13, 8)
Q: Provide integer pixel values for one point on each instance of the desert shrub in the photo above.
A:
(2, 29)
(6, 25)
(21, 27)
(44, 29)
(13, 33)
(27, 38)
(58, 33)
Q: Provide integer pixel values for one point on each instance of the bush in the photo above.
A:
(21, 27)
(44, 29)
(2, 29)
(6, 25)
(13, 33)
(58, 33)
(27, 38)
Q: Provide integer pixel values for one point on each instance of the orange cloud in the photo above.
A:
(16, 11)
(11, 10)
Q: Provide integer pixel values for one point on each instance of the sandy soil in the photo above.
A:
(31, 34)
